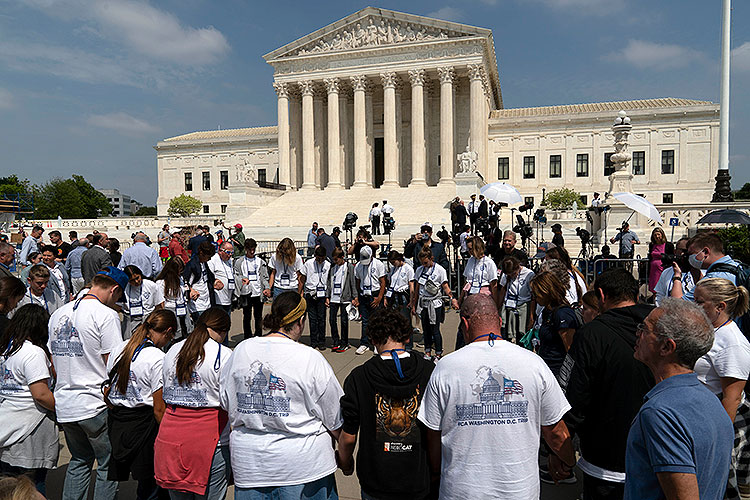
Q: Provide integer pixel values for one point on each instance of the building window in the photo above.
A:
(438, 160)
(224, 179)
(207, 181)
(529, 168)
(503, 168)
(117, 200)
(188, 181)
(529, 201)
(262, 175)
(667, 198)
(223, 209)
(609, 167)
(584, 200)
(639, 162)
(582, 165)
(205, 209)
(667, 161)
(555, 166)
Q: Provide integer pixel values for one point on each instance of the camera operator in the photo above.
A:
(335, 235)
(425, 241)
(557, 239)
(386, 209)
(508, 249)
(363, 238)
(627, 239)
(600, 267)
(689, 277)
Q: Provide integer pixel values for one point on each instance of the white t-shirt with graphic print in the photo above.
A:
(146, 376)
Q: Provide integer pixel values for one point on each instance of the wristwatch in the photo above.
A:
(676, 278)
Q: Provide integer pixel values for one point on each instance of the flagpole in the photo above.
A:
(723, 189)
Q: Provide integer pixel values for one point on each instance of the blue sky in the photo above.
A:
(89, 86)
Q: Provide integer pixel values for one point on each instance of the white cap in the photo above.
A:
(365, 255)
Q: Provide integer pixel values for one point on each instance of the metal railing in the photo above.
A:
(271, 185)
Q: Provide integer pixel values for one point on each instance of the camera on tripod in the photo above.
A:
(350, 221)
(522, 228)
(389, 224)
(526, 206)
(482, 226)
(584, 235)
(539, 216)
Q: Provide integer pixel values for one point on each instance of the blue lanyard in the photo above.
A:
(31, 299)
(7, 349)
(394, 357)
(491, 336)
(78, 302)
(725, 323)
(285, 335)
(217, 363)
(146, 343)
(474, 272)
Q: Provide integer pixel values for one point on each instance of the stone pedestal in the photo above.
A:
(467, 183)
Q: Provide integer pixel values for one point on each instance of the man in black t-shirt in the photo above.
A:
(508, 249)
(380, 404)
(62, 248)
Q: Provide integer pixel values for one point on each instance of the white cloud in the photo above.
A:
(643, 54)
(6, 99)
(741, 57)
(447, 14)
(122, 122)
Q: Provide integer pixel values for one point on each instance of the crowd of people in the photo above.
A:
(129, 356)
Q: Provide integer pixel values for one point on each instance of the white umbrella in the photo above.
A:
(501, 192)
(638, 204)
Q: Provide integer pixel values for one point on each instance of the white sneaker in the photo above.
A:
(361, 349)
(428, 356)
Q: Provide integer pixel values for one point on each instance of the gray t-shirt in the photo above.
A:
(626, 240)
(165, 241)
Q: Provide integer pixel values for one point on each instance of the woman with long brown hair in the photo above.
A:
(137, 406)
(175, 292)
(191, 454)
(284, 267)
(12, 291)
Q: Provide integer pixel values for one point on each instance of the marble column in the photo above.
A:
(308, 135)
(390, 145)
(283, 115)
(321, 159)
(418, 149)
(477, 111)
(370, 134)
(359, 83)
(334, 150)
(447, 156)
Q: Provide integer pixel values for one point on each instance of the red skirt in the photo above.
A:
(164, 252)
(185, 447)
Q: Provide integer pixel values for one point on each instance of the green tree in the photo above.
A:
(184, 206)
(13, 185)
(562, 199)
(144, 211)
(95, 204)
(743, 193)
(736, 241)
(59, 197)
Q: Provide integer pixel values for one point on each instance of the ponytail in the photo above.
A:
(742, 304)
(192, 350)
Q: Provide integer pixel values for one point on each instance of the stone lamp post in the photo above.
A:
(621, 179)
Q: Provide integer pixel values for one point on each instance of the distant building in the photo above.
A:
(121, 203)
(135, 206)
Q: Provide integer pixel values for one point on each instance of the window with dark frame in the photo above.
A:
(528, 200)
(639, 163)
(223, 209)
(207, 181)
(582, 165)
(667, 198)
(585, 200)
(667, 161)
(224, 179)
(529, 167)
(503, 168)
(188, 181)
(555, 166)
(205, 209)
(262, 175)
(609, 166)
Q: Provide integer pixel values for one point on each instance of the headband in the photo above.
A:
(295, 313)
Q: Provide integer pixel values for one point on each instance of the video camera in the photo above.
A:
(526, 206)
(540, 217)
(350, 221)
(522, 228)
(389, 224)
(584, 235)
(444, 236)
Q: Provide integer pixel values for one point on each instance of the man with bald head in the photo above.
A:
(7, 254)
(489, 403)
(142, 256)
(96, 257)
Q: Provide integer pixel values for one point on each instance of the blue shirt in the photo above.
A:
(311, 237)
(680, 428)
(142, 256)
(30, 244)
(714, 274)
(73, 262)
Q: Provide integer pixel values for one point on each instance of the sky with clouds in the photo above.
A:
(89, 86)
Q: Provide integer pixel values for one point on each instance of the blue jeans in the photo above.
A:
(88, 440)
(316, 314)
(432, 332)
(278, 291)
(218, 481)
(322, 489)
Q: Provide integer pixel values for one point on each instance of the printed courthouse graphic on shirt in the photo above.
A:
(500, 400)
(67, 342)
(397, 420)
(185, 395)
(9, 384)
(131, 393)
(266, 395)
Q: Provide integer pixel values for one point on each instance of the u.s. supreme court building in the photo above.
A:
(378, 104)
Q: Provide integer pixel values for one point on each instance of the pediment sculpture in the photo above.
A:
(245, 173)
(467, 161)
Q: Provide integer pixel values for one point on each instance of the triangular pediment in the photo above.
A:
(371, 28)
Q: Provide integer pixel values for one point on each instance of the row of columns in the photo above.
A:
(362, 128)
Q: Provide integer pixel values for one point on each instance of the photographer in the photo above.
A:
(437, 249)
(374, 218)
(363, 238)
(688, 277)
(557, 239)
(627, 239)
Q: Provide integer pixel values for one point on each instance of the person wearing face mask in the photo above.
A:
(705, 252)
(689, 275)
(437, 248)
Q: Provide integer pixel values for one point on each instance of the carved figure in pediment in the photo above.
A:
(384, 33)
(409, 36)
(360, 37)
(372, 34)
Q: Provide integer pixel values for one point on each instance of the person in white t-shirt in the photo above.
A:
(283, 404)
(314, 278)
(480, 271)
(82, 334)
(191, 451)
(224, 284)
(374, 218)
(431, 281)
(514, 298)
(370, 277)
(28, 436)
(135, 393)
(342, 289)
(140, 299)
(175, 292)
(726, 367)
(400, 285)
(489, 403)
(38, 291)
(284, 269)
(200, 280)
(251, 274)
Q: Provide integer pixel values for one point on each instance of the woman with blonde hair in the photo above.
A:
(284, 267)
(480, 271)
(136, 402)
(657, 247)
(726, 367)
(191, 453)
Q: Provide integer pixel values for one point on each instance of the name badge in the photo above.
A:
(474, 289)
(320, 291)
(337, 288)
(389, 292)
(181, 310)
(422, 280)
(285, 280)
(231, 284)
(136, 309)
(366, 290)
(511, 301)
(252, 275)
